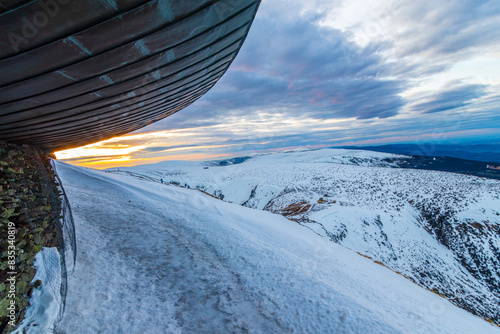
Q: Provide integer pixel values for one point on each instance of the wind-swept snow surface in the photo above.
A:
(159, 259)
(441, 230)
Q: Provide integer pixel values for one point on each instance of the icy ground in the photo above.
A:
(160, 259)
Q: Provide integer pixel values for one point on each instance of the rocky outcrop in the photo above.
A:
(476, 246)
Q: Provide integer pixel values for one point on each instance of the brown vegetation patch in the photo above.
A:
(295, 209)
(363, 255)
(476, 225)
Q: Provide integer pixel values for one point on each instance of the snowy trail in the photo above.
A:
(158, 259)
(137, 273)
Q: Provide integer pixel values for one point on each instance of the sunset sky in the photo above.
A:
(333, 73)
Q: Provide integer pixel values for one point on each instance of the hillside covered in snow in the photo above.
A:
(155, 258)
(440, 230)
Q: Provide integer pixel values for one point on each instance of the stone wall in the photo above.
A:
(29, 220)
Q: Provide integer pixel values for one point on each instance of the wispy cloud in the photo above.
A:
(450, 97)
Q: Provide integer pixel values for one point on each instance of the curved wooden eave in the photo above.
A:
(112, 68)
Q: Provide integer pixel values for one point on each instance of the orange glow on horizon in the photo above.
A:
(239, 137)
(126, 161)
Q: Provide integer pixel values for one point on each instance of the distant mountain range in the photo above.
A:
(438, 163)
(487, 153)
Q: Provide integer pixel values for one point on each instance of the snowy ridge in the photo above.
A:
(155, 258)
(441, 230)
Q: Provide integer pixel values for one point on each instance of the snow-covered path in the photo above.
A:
(139, 271)
(159, 259)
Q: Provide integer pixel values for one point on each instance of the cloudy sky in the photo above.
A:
(332, 73)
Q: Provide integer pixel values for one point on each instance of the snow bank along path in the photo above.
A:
(160, 259)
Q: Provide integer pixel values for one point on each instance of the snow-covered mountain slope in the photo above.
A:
(441, 230)
(160, 259)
